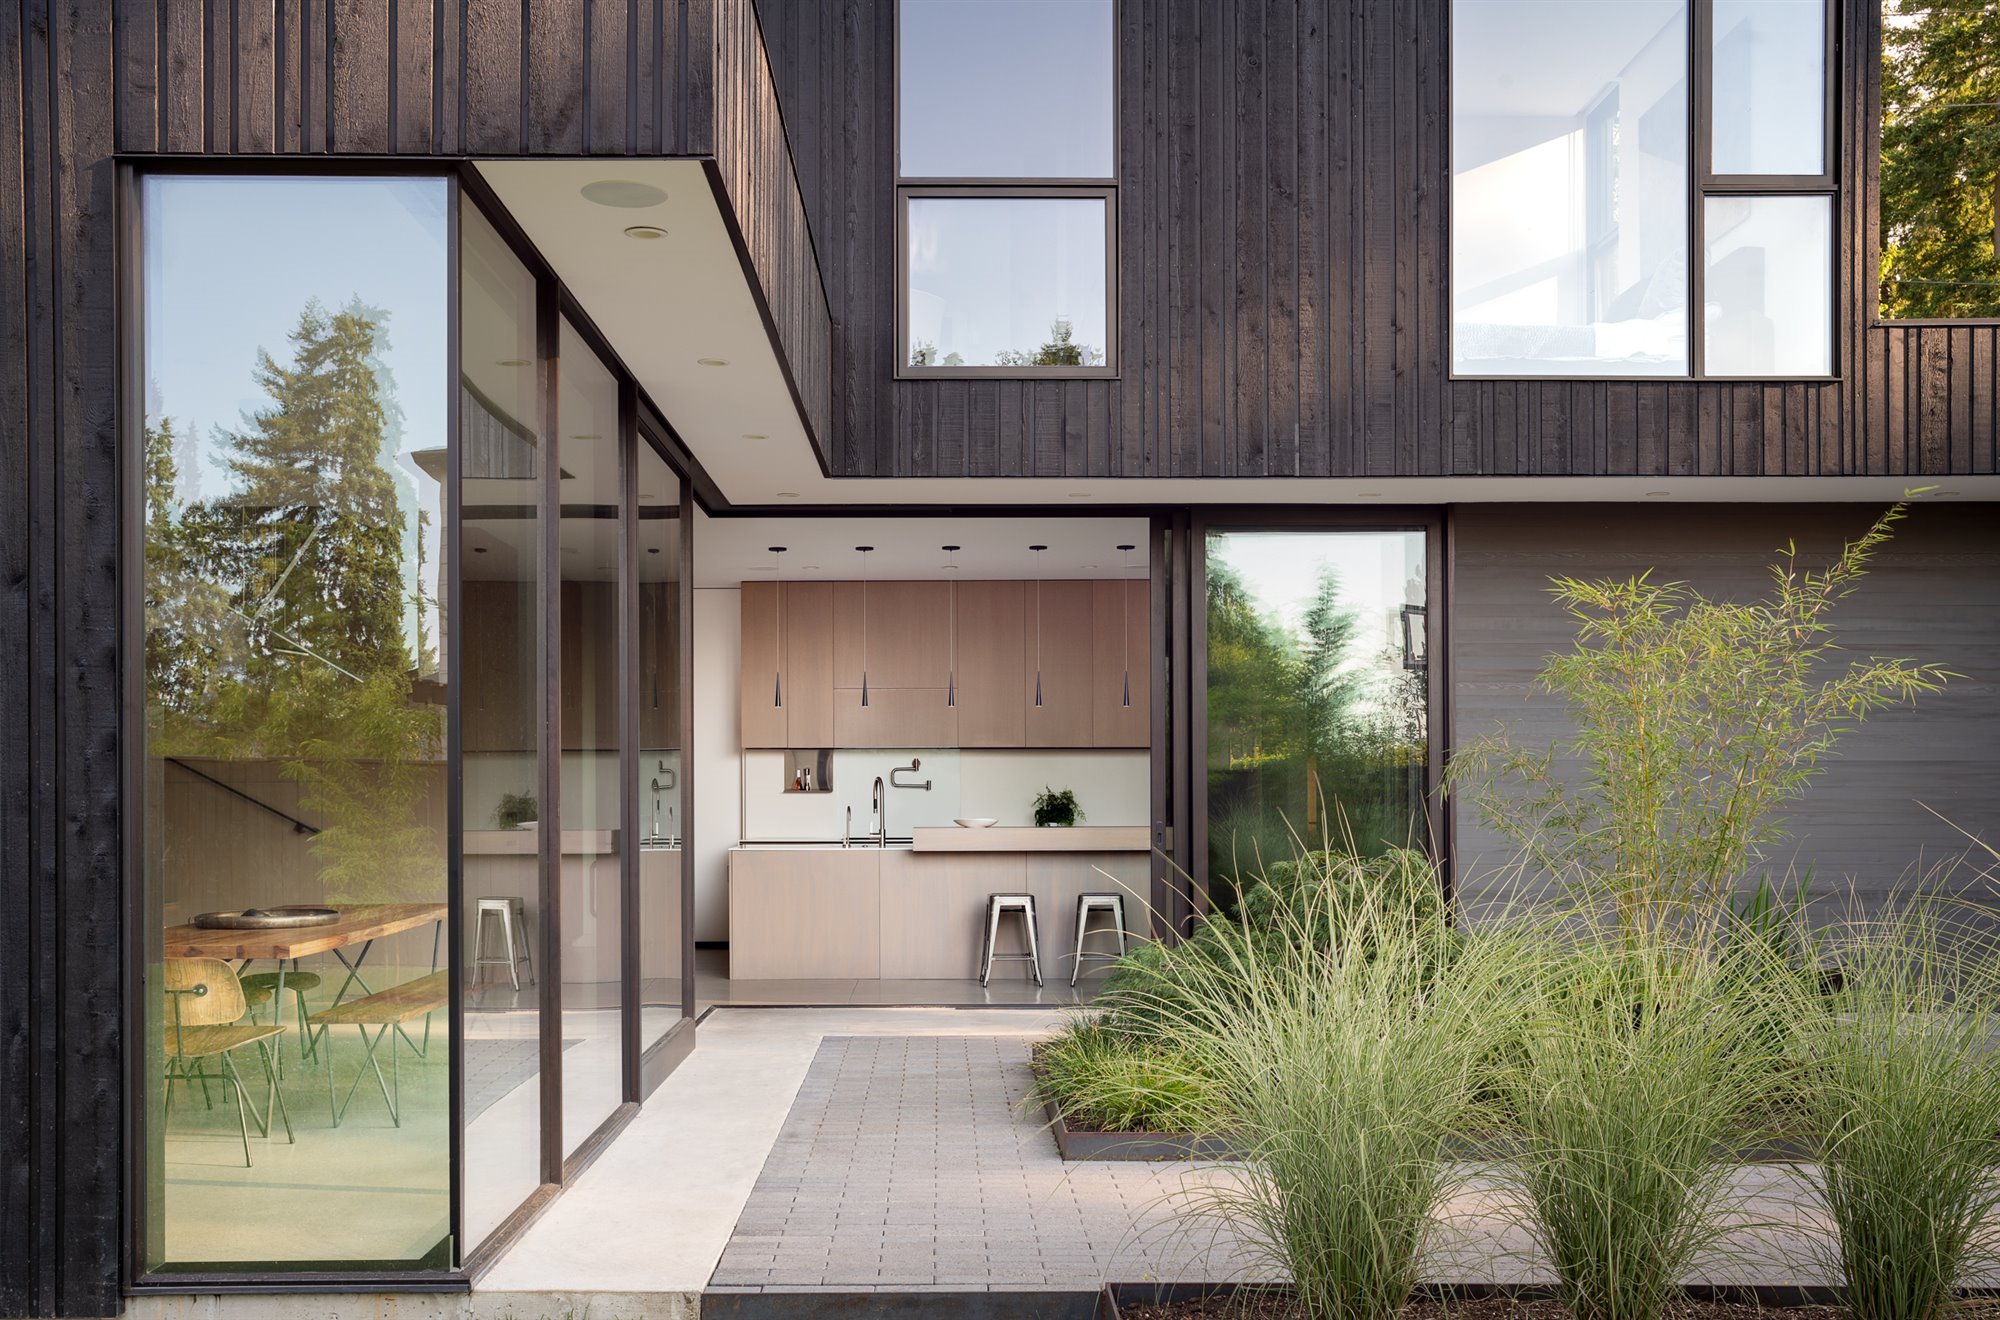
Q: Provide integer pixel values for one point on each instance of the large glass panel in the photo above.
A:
(1569, 138)
(296, 1084)
(500, 467)
(1007, 282)
(1317, 697)
(592, 793)
(1769, 286)
(1768, 87)
(660, 569)
(1005, 89)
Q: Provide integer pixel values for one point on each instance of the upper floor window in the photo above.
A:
(1587, 219)
(1940, 161)
(1006, 190)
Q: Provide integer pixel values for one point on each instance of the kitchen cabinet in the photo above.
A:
(659, 665)
(590, 666)
(908, 634)
(991, 621)
(760, 666)
(1059, 646)
(1120, 644)
(805, 663)
(501, 653)
(893, 717)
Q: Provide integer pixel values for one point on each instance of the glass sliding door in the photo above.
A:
(502, 457)
(293, 808)
(594, 833)
(662, 829)
(1316, 696)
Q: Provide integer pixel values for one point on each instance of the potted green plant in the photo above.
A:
(1055, 806)
(516, 811)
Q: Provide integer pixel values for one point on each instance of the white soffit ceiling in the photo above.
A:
(667, 303)
(733, 550)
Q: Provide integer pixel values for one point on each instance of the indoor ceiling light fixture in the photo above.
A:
(778, 651)
(624, 194)
(755, 435)
(1038, 623)
(951, 672)
(711, 362)
(788, 494)
(645, 233)
(1658, 494)
(1125, 621)
(511, 362)
(864, 550)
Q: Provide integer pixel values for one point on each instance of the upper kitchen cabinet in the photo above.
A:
(1121, 651)
(659, 665)
(1057, 649)
(761, 667)
(786, 685)
(990, 619)
(904, 628)
(498, 712)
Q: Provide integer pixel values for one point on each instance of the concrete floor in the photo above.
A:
(713, 986)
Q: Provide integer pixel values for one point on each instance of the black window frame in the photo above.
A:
(1703, 182)
(1022, 187)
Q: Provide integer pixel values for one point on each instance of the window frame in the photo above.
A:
(1010, 186)
(1702, 182)
(1000, 190)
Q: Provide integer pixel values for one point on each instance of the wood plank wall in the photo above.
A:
(1282, 242)
(1866, 826)
(81, 80)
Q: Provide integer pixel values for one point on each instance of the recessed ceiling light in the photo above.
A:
(810, 568)
(1089, 567)
(652, 549)
(753, 435)
(1945, 494)
(1368, 495)
(585, 435)
(1079, 494)
(512, 362)
(788, 494)
(626, 194)
(1658, 494)
(712, 362)
(478, 549)
(645, 233)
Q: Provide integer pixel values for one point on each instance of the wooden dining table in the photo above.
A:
(359, 924)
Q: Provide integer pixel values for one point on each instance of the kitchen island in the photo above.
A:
(917, 911)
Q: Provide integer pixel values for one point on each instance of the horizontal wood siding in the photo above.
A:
(1867, 825)
(1283, 242)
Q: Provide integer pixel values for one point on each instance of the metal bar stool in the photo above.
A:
(512, 914)
(997, 906)
(1086, 904)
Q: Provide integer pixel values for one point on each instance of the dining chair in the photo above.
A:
(208, 1006)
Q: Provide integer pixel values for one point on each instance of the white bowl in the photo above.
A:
(976, 822)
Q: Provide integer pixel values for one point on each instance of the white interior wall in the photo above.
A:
(717, 741)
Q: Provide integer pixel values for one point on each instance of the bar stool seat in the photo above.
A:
(511, 916)
(998, 906)
(1086, 905)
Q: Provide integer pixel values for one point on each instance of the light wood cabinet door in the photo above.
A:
(808, 664)
(1059, 647)
(659, 665)
(991, 619)
(1121, 646)
(497, 706)
(908, 641)
(893, 717)
(763, 723)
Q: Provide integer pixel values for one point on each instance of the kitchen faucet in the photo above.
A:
(881, 815)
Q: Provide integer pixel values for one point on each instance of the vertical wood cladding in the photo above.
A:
(1933, 595)
(1283, 294)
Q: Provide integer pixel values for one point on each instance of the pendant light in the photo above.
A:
(1038, 623)
(951, 673)
(778, 654)
(864, 550)
(1125, 621)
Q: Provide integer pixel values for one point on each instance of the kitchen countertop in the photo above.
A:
(1030, 838)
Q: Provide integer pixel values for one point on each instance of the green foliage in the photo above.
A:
(1105, 1081)
(1060, 350)
(1697, 721)
(1633, 1081)
(516, 809)
(1057, 807)
(1940, 158)
(1905, 1108)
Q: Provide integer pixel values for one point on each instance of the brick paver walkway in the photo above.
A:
(907, 1162)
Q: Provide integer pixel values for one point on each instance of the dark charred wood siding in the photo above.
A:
(1284, 297)
(80, 82)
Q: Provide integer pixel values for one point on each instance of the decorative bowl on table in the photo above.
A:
(976, 822)
(270, 918)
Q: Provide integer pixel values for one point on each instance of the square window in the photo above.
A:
(1768, 286)
(1007, 283)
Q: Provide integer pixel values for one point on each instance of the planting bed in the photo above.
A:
(1264, 1304)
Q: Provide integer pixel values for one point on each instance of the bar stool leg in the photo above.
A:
(1082, 925)
(1118, 915)
(992, 939)
(527, 945)
(507, 931)
(1034, 951)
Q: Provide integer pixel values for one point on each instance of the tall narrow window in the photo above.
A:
(296, 1078)
(1005, 114)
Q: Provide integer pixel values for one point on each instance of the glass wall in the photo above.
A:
(1569, 139)
(295, 1085)
(1007, 281)
(661, 758)
(1317, 696)
(1768, 84)
(501, 466)
(593, 782)
(1768, 285)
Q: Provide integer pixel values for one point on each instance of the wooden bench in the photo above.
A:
(387, 1010)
